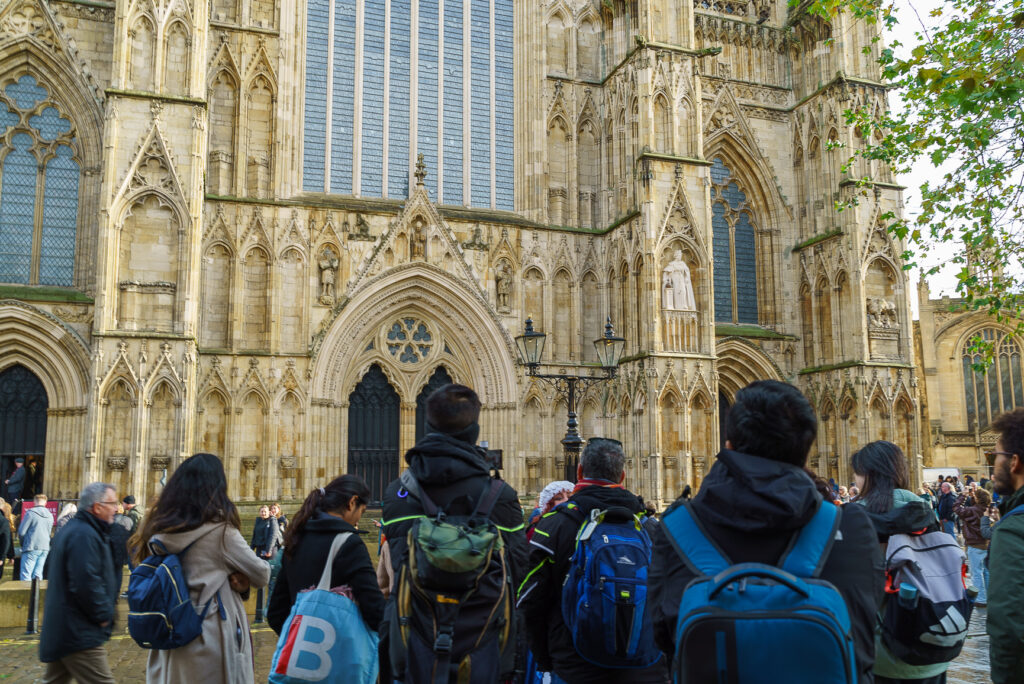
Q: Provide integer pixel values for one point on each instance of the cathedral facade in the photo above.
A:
(268, 229)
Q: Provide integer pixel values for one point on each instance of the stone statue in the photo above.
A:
(328, 275)
(881, 313)
(418, 246)
(677, 286)
(503, 285)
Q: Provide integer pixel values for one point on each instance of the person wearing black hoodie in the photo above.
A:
(453, 471)
(755, 498)
(600, 475)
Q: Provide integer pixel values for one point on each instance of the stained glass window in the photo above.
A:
(1000, 387)
(734, 249)
(37, 239)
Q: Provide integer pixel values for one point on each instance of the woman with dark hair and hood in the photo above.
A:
(194, 518)
(326, 513)
(880, 469)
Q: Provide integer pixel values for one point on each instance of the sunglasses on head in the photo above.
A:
(991, 456)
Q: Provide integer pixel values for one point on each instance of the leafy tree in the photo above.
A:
(961, 87)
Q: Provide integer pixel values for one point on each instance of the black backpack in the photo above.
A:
(453, 610)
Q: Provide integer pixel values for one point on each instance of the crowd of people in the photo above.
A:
(767, 573)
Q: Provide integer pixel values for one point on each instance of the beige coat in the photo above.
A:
(223, 652)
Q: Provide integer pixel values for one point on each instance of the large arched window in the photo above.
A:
(1000, 388)
(37, 156)
(735, 249)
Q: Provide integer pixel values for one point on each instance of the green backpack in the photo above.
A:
(454, 614)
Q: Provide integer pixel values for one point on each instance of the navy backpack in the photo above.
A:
(160, 611)
(604, 598)
(755, 623)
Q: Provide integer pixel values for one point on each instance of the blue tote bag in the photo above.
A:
(325, 638)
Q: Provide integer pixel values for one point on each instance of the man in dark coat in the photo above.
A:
(755, 498)
(82, 591)
(453, 471)
(600, 476)
(944, 508)
(15, 483)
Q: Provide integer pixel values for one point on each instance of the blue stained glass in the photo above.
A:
(315, 115)
(718, 172)
(26, 92)
(453, 102)
(60, 217)
(50, 124)
(372, 181)
(969, 391)
(733, 195)
(746, 270)
(17, 209)
(504, 126)
(480, 104)
(7, 118)
(342, 117)
(426, 125)
(723, 274)
(398, 109)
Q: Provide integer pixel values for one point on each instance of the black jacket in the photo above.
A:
(540, 596)
(266, 536)
(82, 589)
(944, 509)
(453, 473)
(15, 484)
(119, 536)
(6, 540)
(352, 566)
(752, 507)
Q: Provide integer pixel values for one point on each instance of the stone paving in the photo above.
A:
(19, 662)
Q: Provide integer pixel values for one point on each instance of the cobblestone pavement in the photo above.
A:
(19, 661)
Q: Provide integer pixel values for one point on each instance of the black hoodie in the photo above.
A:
(752, 507)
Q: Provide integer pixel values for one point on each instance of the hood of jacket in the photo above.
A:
(324, 523)
(599, 497)
(440, 458)
(41, 512)
(909, 515)
(175, 542)
(754, 494)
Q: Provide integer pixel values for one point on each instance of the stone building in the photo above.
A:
(215, 235)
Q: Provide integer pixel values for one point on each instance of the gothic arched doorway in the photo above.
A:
(373, 416)
(437, 380)
(23, 404)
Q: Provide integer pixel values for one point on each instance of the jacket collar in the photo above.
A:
(89, 519)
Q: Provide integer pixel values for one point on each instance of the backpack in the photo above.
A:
(324, 638)
(604, 597)
(752, 622)
(453, 609)
(933, 627)
(160, 611)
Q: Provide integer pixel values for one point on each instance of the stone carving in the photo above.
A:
(677, 294)
(287, 462)
(418, 240)
(503, 286)
(250, 462)
(117, 462)
(881, 313)
(159, 462)
(477, 243)
(328, 275)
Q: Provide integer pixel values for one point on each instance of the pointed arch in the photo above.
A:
(142, 53)
(557, 43)
(212, 414)
(177, 62)
(662, 124)
(260, 99)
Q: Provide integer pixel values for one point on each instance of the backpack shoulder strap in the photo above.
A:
(489, 497)
(413, 486)
(810, 549)
(325, 576)
(701, 555)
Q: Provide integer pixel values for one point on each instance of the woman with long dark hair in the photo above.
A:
(326, 513)
(194, 518)
(880, 469)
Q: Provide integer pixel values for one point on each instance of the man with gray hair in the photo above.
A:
(599, 487)
(82, 591)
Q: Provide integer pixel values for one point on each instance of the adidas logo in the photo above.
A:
(622, 560)
(949, 632)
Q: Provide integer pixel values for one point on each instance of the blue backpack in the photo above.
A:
(752, 622)
(160, 611)
(604, 598)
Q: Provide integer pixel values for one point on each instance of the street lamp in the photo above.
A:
(530, 346)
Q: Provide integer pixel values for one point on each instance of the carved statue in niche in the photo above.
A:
(418, 241)
(677, 287)
(881, 313)
(503, 286)
(328, 275)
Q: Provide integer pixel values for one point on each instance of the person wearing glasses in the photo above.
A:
(79, 613)
(1005, 624)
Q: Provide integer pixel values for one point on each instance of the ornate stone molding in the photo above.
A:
(117, 462)
(250, 462)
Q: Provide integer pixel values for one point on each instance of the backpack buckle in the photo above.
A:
(443, 644)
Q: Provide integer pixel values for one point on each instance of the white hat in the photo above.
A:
(552, 489)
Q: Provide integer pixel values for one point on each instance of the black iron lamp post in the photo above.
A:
(530, 346)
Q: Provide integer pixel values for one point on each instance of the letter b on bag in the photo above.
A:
(304, 655)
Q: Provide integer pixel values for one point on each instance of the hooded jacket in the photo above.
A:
(302, 570)
(453, 472)
(540, 596)
(81, 590)
(34, 530)
(752, 507)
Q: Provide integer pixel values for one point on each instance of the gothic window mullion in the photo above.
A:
(37, 222)
(731, 219)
